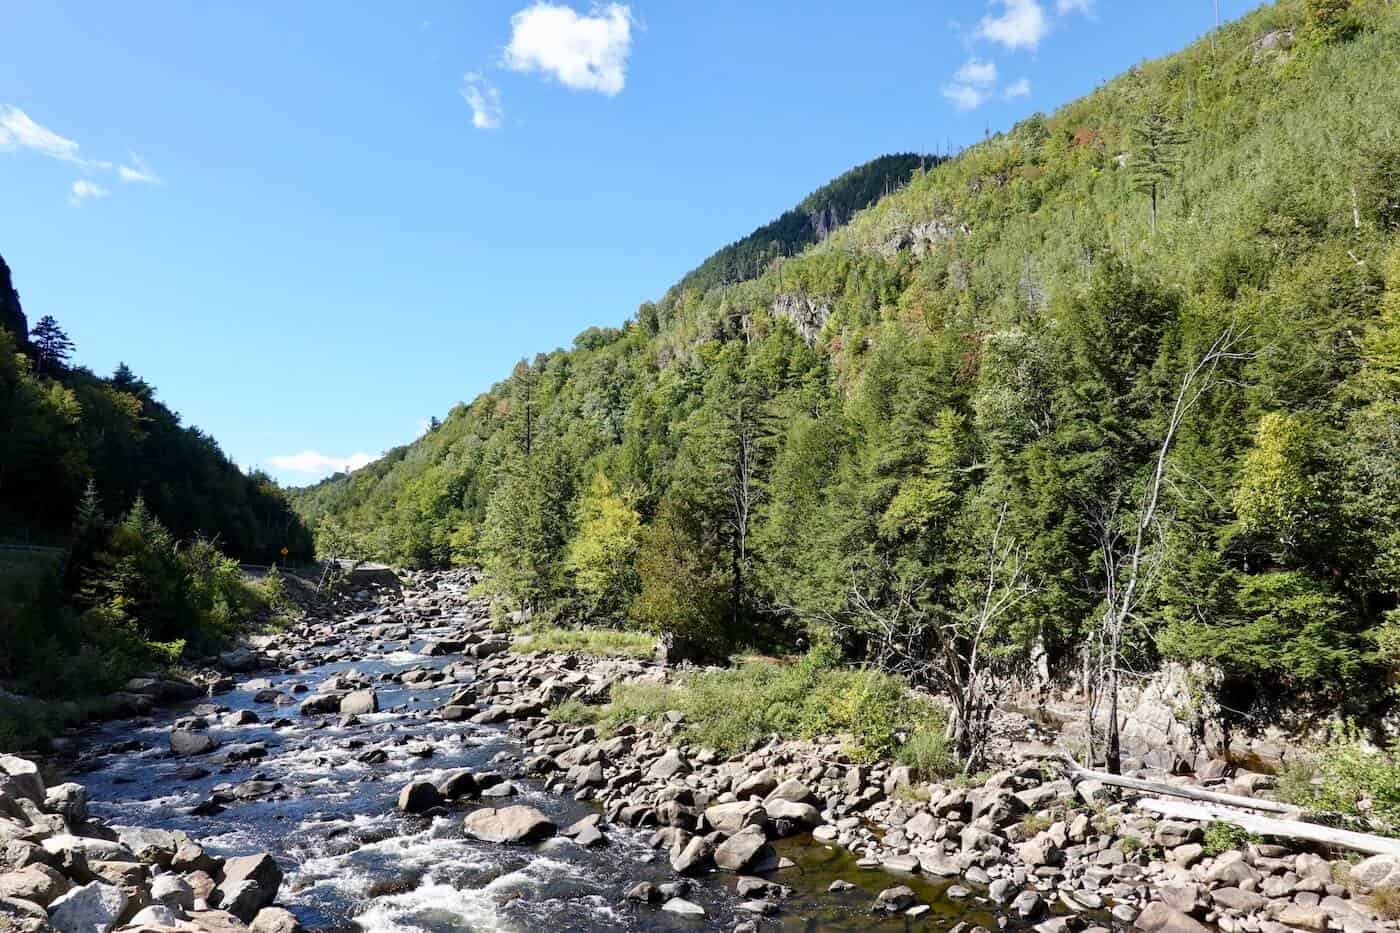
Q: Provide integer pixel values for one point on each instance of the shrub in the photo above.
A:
(1222, 837)
(574, 713)
(1350, 778)
(926, 750)
(1385, 901)
(601, 643)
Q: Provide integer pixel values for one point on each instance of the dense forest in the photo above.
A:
(120, 526)
(1116, 386)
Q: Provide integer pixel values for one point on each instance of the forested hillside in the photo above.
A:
(137, 521)
(1120, 384)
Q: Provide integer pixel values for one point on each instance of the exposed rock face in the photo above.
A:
(11, 315)
(806, 314)
(922, 237)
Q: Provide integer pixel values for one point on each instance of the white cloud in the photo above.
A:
(977, 73)
(83, 189)
(18, 131)
(137, 171)
(586, 53)
(312, 462)
(1074, 6)
(1021, 24)
(971, 84)
(1020, 88)
(485, 100)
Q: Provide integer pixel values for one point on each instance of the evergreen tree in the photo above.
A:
(1155, 158)
(52, 348)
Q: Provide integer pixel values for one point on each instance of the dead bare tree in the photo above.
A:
(952, 651)
(1132, 559)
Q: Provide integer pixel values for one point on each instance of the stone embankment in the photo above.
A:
(62, 870)
(1039, 850)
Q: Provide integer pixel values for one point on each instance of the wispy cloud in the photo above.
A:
(1020, 24)
(137, 172)
(587, 53)
(19, 131)
(84, 190)
(1074, 6)
(1018, 88)
(485, 100)
(312, 462)
(972, 84)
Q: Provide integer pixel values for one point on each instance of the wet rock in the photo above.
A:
(456, 784)
(183, 742)
(644, 892)
(683, 907)
(321, 704)
(359, 703)
(517, 824)
(93, 908)
(1027, 905)
(261, 869)
(743, 849)
(276, 920)
(694, 858)
(419, 797)
(895, 899)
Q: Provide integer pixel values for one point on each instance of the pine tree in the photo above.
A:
(52, 348)
(1154, 161)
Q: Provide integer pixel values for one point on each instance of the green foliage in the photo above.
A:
(1352, 778)
(602, 556)
(1222, 837)
(527, 526)
(598, 643)
(733, 710)
(683, 597)
(926, 750)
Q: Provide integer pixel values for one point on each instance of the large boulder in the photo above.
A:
(276, 920)
(669, 765)
(1157, 917)
(249, 884)
(744, 848)
(508, 824)
(184, 742)
(419, 797)
(93, 908)
(694, 857)
(38, 883)
(731, 817)
(359, 703)
(24, 778)
(1376, 872)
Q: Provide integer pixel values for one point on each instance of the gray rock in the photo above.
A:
(743, 849)
(508, 824)
(1375, 872)
(696, 856)
(419, 797)
(1157, 917)
(24, 778)
(683, 907)
(93, 908)
(892, 900)
(173, 891)
(183, 742)
(38, 883)
(156, 915)
(732, 817)
(260, 869)
(359, 703)
(668, 766)
(276, 920)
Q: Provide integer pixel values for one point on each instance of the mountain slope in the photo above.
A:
(985, 362)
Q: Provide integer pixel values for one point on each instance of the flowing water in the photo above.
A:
(353, 862)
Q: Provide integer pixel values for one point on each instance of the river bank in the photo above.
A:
(381, 752)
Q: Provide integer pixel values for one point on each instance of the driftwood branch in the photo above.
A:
(1078, 774)
(1272, 826)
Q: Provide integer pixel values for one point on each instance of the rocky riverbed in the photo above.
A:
(390, 765)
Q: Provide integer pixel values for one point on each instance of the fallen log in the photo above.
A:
(1271, 826)
(1077, 774)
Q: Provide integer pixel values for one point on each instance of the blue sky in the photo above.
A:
(313, 225)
